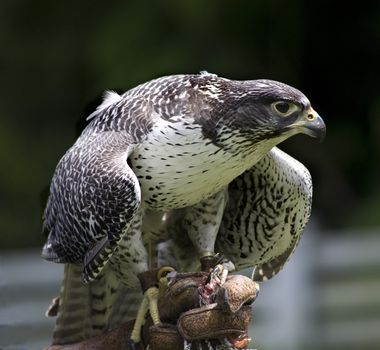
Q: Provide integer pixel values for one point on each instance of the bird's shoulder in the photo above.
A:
(165, 97)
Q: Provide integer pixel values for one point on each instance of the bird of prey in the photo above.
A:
(189, 156)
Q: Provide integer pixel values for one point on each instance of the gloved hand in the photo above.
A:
(187, 321)
(224, 320)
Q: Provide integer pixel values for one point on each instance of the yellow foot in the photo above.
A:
(149, 302)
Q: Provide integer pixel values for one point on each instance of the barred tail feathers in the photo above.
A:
(86, 310)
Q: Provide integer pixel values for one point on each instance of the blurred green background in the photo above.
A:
(57, 58)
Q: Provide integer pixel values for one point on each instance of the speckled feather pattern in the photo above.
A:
(187, 160)
(267, 208)
(171, 143)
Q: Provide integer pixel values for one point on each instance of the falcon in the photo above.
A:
(190, 160)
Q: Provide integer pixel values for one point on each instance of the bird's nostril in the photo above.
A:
(310, 116)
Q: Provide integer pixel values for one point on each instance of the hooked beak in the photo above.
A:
(310, 123)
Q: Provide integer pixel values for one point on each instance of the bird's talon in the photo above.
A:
(164, 271)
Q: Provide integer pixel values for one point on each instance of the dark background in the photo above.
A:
(56, 58)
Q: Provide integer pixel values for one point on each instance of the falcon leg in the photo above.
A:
(152, 295)
(148, 281)
(202, 222)
(149, 303)
(217, 266)
(140, 320)
(131, 259)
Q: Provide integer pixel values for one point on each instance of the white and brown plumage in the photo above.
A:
(193, 146)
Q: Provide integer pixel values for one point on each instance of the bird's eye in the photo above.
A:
(284, 108)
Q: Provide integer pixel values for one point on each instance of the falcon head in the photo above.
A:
(267, 109)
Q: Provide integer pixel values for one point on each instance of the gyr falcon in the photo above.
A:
(193, 152)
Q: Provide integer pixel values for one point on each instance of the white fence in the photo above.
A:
(328, 297)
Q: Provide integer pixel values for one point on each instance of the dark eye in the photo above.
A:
(284, 108)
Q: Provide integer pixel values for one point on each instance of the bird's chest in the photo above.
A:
(177, 167)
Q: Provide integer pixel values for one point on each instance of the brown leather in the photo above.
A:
(148, 279)
(182, 295)
(209, 322)
(235, 292)
(185, 319)
(207, 262)
(165, 337)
